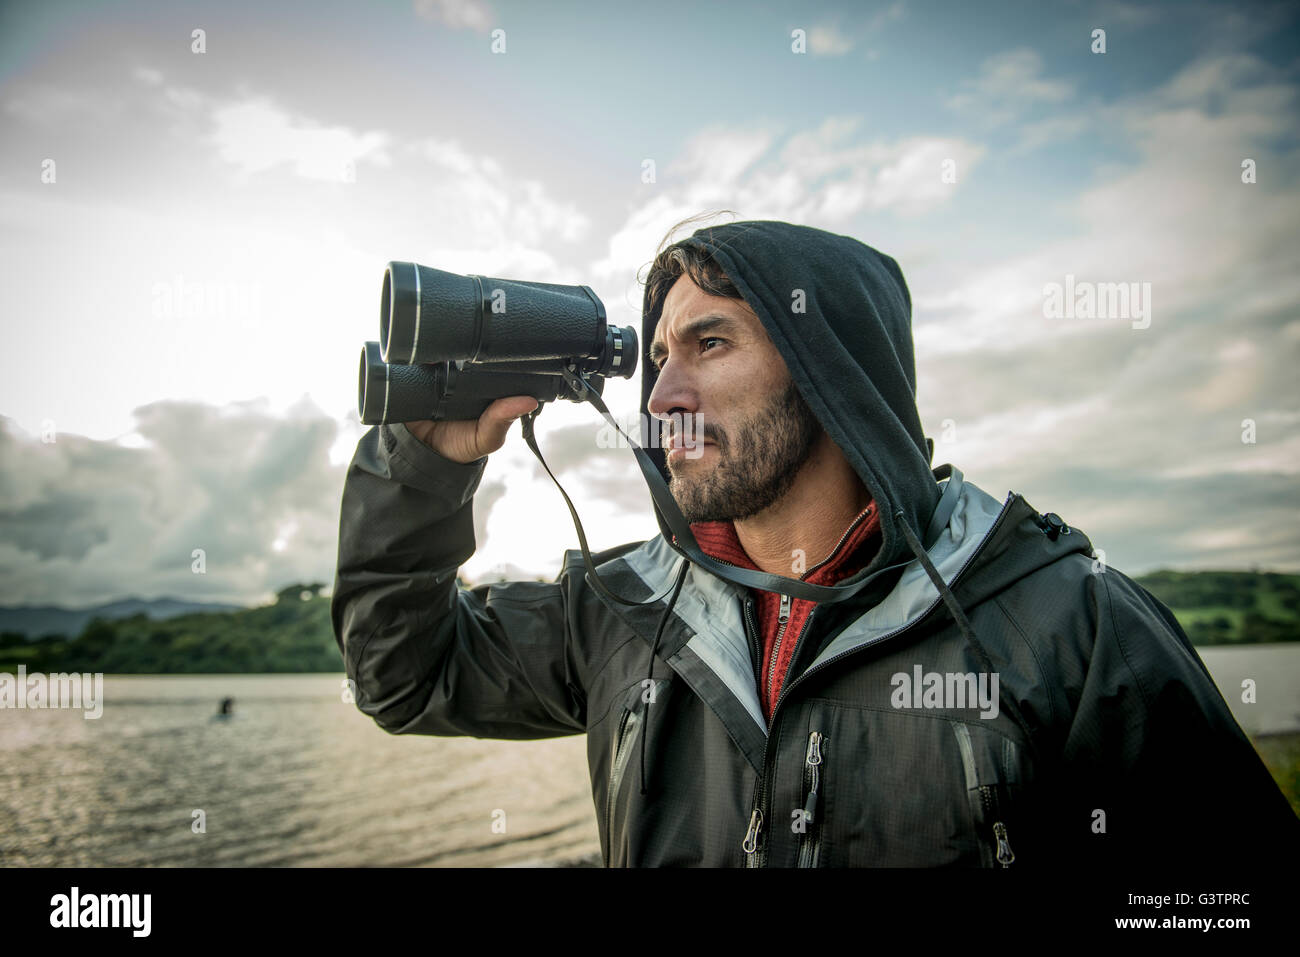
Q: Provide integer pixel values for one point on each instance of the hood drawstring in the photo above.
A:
(964, 625)
(645, 731)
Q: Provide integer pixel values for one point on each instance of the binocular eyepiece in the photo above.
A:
(450, 345)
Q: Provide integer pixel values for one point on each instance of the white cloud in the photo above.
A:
(1110, 12)
(885, 15)
(1137, 431)
(468, 14)
(823, 176)
(1009, 83)
(255, 135)
(86, 520)
(716, 159)
(1165, 219)
(1052, 131)
(1278, 455)
(278, 243)
(828, 41)
(57, 107)
(488, 206)
(148, 75)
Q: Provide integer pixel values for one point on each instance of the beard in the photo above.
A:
(757, 464)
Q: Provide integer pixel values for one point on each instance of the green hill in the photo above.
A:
(1230, 608)
(294, 634)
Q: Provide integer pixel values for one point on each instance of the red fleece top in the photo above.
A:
(858, 545)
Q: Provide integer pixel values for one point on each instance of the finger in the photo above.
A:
(512, 407)
(497, 417)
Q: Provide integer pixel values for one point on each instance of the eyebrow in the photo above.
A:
(704, 324)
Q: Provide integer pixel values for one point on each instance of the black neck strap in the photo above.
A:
(686, 545)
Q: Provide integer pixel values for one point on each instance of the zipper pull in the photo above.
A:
(814, 749)
(1005, 855)
(750, 844)
(784, 614)
(813, 759)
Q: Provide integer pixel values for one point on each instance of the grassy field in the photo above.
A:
(1230, 608)
(1281, 755)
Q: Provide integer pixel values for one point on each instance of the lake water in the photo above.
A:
(300, 777)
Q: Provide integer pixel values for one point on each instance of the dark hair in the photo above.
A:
(670, 262)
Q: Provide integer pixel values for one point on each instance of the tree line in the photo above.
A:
(295, 634)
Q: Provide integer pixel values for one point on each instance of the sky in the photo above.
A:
(195, 229)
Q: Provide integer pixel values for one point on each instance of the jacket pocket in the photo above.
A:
(624, 746)
(988, 759)
(809, 816)
(813, 783)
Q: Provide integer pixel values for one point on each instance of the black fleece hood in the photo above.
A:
(849, 351)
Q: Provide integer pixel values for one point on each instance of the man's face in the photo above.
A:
(717, 362)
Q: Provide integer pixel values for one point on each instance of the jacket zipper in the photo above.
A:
(750, 844)
(756, 851)
(782, 617)
(1005, 857)
(754, 855)
(1004, 853)
(840, 544)
(619, 764)
(756, 650)
(811, 841)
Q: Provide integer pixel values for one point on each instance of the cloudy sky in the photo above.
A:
(276, 162)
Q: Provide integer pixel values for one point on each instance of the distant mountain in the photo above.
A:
(36, 620)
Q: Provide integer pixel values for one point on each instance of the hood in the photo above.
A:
(849, 352)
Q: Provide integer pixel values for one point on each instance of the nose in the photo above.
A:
(673, 393)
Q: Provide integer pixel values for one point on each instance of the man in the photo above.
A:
(988, 695)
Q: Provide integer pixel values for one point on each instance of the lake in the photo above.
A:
(300, 777)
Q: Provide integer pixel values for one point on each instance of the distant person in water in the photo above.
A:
(227, 709)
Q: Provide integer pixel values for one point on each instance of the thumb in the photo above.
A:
(513, 407)
(497, 417)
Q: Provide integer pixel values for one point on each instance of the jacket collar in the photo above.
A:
(719, 540)
(705, 640)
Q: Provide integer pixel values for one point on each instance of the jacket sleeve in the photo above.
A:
(425, 656)
(1153, 745)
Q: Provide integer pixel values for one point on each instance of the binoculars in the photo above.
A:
(450, 345)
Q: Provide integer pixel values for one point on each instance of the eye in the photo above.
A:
(660, 360)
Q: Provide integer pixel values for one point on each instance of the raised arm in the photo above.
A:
(497, 661)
